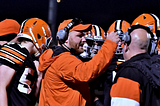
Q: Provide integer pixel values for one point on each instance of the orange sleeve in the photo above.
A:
(126, 88)
(72, 69)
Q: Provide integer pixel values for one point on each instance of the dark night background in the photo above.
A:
(100, 12)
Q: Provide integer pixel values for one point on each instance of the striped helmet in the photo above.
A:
(119, 26)
(152, 21)
(94, 39)
(96, 33)
(38, 31)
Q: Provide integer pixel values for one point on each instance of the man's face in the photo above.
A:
(76, 41)
(85, 46)
(97, 46)
(33, 49)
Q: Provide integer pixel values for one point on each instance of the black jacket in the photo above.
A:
(127, 70)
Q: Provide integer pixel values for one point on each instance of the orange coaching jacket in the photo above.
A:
(66, 79)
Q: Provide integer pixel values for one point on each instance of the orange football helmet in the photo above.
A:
(152, 21)
(99, 37)
(98, 33)
(119, 26)
(96, 36)
(149, 20)
(38, 31)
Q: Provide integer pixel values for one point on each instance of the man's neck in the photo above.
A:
(66, 47)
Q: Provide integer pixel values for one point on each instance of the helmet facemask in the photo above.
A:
(119, 26)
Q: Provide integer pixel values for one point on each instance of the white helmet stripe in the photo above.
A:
(97, 29)
(45, 35)
(157, 19)
(22, 25)
(34, 38)
(118, 25)
(156, 24)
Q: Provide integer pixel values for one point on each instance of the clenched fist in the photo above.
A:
(113, 36)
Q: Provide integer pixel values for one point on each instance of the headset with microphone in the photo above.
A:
(153, 42)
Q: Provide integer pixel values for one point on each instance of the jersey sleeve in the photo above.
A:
(13, 55)
(71, 69)
(126, 91)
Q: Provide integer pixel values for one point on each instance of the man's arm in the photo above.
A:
(72, 69)
(39, 79)
(6, 75)
(38, 82)
(126, 91)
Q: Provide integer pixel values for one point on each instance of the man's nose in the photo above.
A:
(95, 46)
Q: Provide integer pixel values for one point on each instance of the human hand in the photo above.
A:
(113, 36)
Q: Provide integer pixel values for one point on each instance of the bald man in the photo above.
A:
(131, 87)
(139, 43)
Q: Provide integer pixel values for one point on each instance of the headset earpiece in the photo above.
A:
(126, 37)
(62, 34)
(153, 42)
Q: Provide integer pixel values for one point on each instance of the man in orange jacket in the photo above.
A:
(66, 79)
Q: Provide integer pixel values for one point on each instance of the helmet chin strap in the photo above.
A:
(73, 51)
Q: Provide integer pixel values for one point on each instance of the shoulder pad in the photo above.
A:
(13, 53)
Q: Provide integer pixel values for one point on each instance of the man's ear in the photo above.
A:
(66, 41)
(126, 47)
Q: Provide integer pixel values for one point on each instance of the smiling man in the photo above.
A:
(66, 79)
